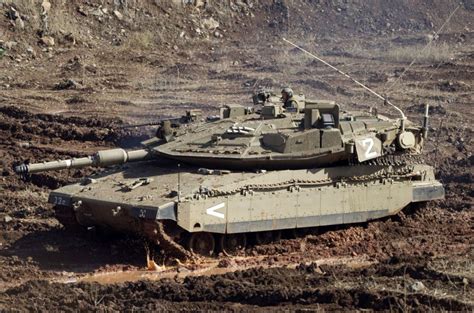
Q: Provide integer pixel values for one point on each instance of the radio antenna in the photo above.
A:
(422, 50)
(403, 117)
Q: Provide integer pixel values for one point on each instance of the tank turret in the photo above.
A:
(320, 134)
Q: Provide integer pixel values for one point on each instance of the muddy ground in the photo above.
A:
(421, 259)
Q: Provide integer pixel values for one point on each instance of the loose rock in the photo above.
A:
(10, 44)
(19, 23)
(210, 23)
(68, 84)
(417, 286)
(46, 5)
(47, 41)
(13, 14)
(118, 15)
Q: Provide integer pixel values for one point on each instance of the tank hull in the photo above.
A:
(245, 202)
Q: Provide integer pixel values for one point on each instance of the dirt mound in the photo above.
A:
(32, 31)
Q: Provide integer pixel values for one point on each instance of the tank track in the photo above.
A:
(155, 231)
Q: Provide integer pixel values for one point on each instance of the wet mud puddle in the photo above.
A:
(206, 267)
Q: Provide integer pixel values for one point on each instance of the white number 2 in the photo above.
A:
(368, 144)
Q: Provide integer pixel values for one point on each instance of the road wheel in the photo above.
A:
(266, 237)
(202, 243)
(233, 243)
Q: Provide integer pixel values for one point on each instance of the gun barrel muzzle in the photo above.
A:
(21, 169)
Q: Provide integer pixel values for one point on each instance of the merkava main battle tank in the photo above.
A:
(203, 186)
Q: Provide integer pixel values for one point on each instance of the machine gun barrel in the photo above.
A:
(100, 159)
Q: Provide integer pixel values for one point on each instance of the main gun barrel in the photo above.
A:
(100, 159)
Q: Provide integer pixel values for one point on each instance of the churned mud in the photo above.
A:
(74, 99)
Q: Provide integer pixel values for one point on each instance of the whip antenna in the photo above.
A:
(422, 50)
(354, 80)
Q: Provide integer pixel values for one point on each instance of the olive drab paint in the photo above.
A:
(253, 169)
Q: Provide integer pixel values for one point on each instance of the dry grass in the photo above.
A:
(59, 20)
(25, 6)
(140, 40)
(30, 8)
(430, 54)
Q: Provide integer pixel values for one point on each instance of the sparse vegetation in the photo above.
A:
(60, 23)
(26, 6)
(423, 54)
(140, 40)
(30, 8)
(57, 23)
